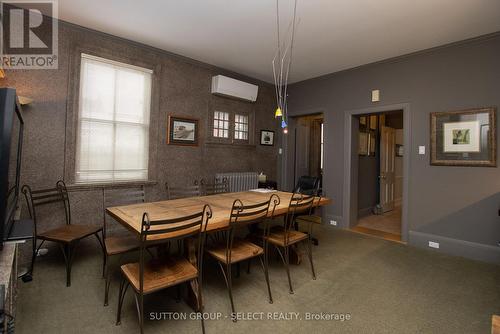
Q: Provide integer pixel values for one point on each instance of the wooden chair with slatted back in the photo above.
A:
(235, 250)
(68, 235)
(183, 192)
(116, 244)
(161, 273)
(219, 186)
(285, 236)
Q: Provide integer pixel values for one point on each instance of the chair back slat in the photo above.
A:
(217, 187)
(168, 226)
(46, 196)
(121, 197)
(41, 197)
(177, 220)
(183, 192)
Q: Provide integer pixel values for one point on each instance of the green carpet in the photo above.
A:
(383, 287)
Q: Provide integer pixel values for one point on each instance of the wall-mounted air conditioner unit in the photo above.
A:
(229, 87)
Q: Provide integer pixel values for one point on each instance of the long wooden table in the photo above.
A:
(130, 216)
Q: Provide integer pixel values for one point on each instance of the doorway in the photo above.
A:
(354, 209)
(308, 147)
(380, 174)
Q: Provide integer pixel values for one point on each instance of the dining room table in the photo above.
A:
(130, 216)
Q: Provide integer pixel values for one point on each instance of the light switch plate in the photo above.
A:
(280, 150)
(421, 150)
(375, 95)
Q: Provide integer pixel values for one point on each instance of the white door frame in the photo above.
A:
(350, 215)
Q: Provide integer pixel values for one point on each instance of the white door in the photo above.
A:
(387, 167)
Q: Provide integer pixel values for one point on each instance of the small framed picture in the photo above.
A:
(267, 137)
(182, 131)
(464, 138)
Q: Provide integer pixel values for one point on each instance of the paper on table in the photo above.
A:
(263, 190)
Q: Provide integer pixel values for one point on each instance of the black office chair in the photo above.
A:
(308, 185)
(311, 186)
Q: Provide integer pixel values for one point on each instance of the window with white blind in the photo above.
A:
(221, 124)
(240, 127)
(113, 122)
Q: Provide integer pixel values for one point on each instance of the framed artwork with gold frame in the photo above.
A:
(464, 138)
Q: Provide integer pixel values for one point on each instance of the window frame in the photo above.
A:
(235, 130)
(223, 120)
(232, 127)
(72, 115)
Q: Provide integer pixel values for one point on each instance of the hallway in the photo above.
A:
(387, 225)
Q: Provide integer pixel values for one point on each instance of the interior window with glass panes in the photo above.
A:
(241, 127)
(221, 124)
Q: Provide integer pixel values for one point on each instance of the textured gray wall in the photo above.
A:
(184, 89)
(456, 202)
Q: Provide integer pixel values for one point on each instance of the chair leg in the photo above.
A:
(104, 257)
(121, 296)
(249, 265)
(201, 304)
(309, 253)
(29, 275)
(107, 282)
(263, 262)
(286, 262)
(68, 251)
(104, 265)
(229, 284)
(238, 269)
(139, 302)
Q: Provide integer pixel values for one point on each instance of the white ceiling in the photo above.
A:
(240, 35)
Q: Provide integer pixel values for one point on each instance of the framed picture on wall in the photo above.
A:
(182, 131)
(267, 137)
(464, 138)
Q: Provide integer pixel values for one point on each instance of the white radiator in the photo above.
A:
(239, 181)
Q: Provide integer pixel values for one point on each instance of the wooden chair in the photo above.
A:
(161, 273)
(114, 243)
(234, 250)
(283, 237)
(217, 187)
(183, 192)
(67, 236)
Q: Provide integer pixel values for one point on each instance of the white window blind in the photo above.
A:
(113, 122)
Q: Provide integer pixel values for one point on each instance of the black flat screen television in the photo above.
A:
(11, 141)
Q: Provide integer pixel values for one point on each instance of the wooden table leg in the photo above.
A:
(193, 299)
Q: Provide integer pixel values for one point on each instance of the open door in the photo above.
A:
(387, 167)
